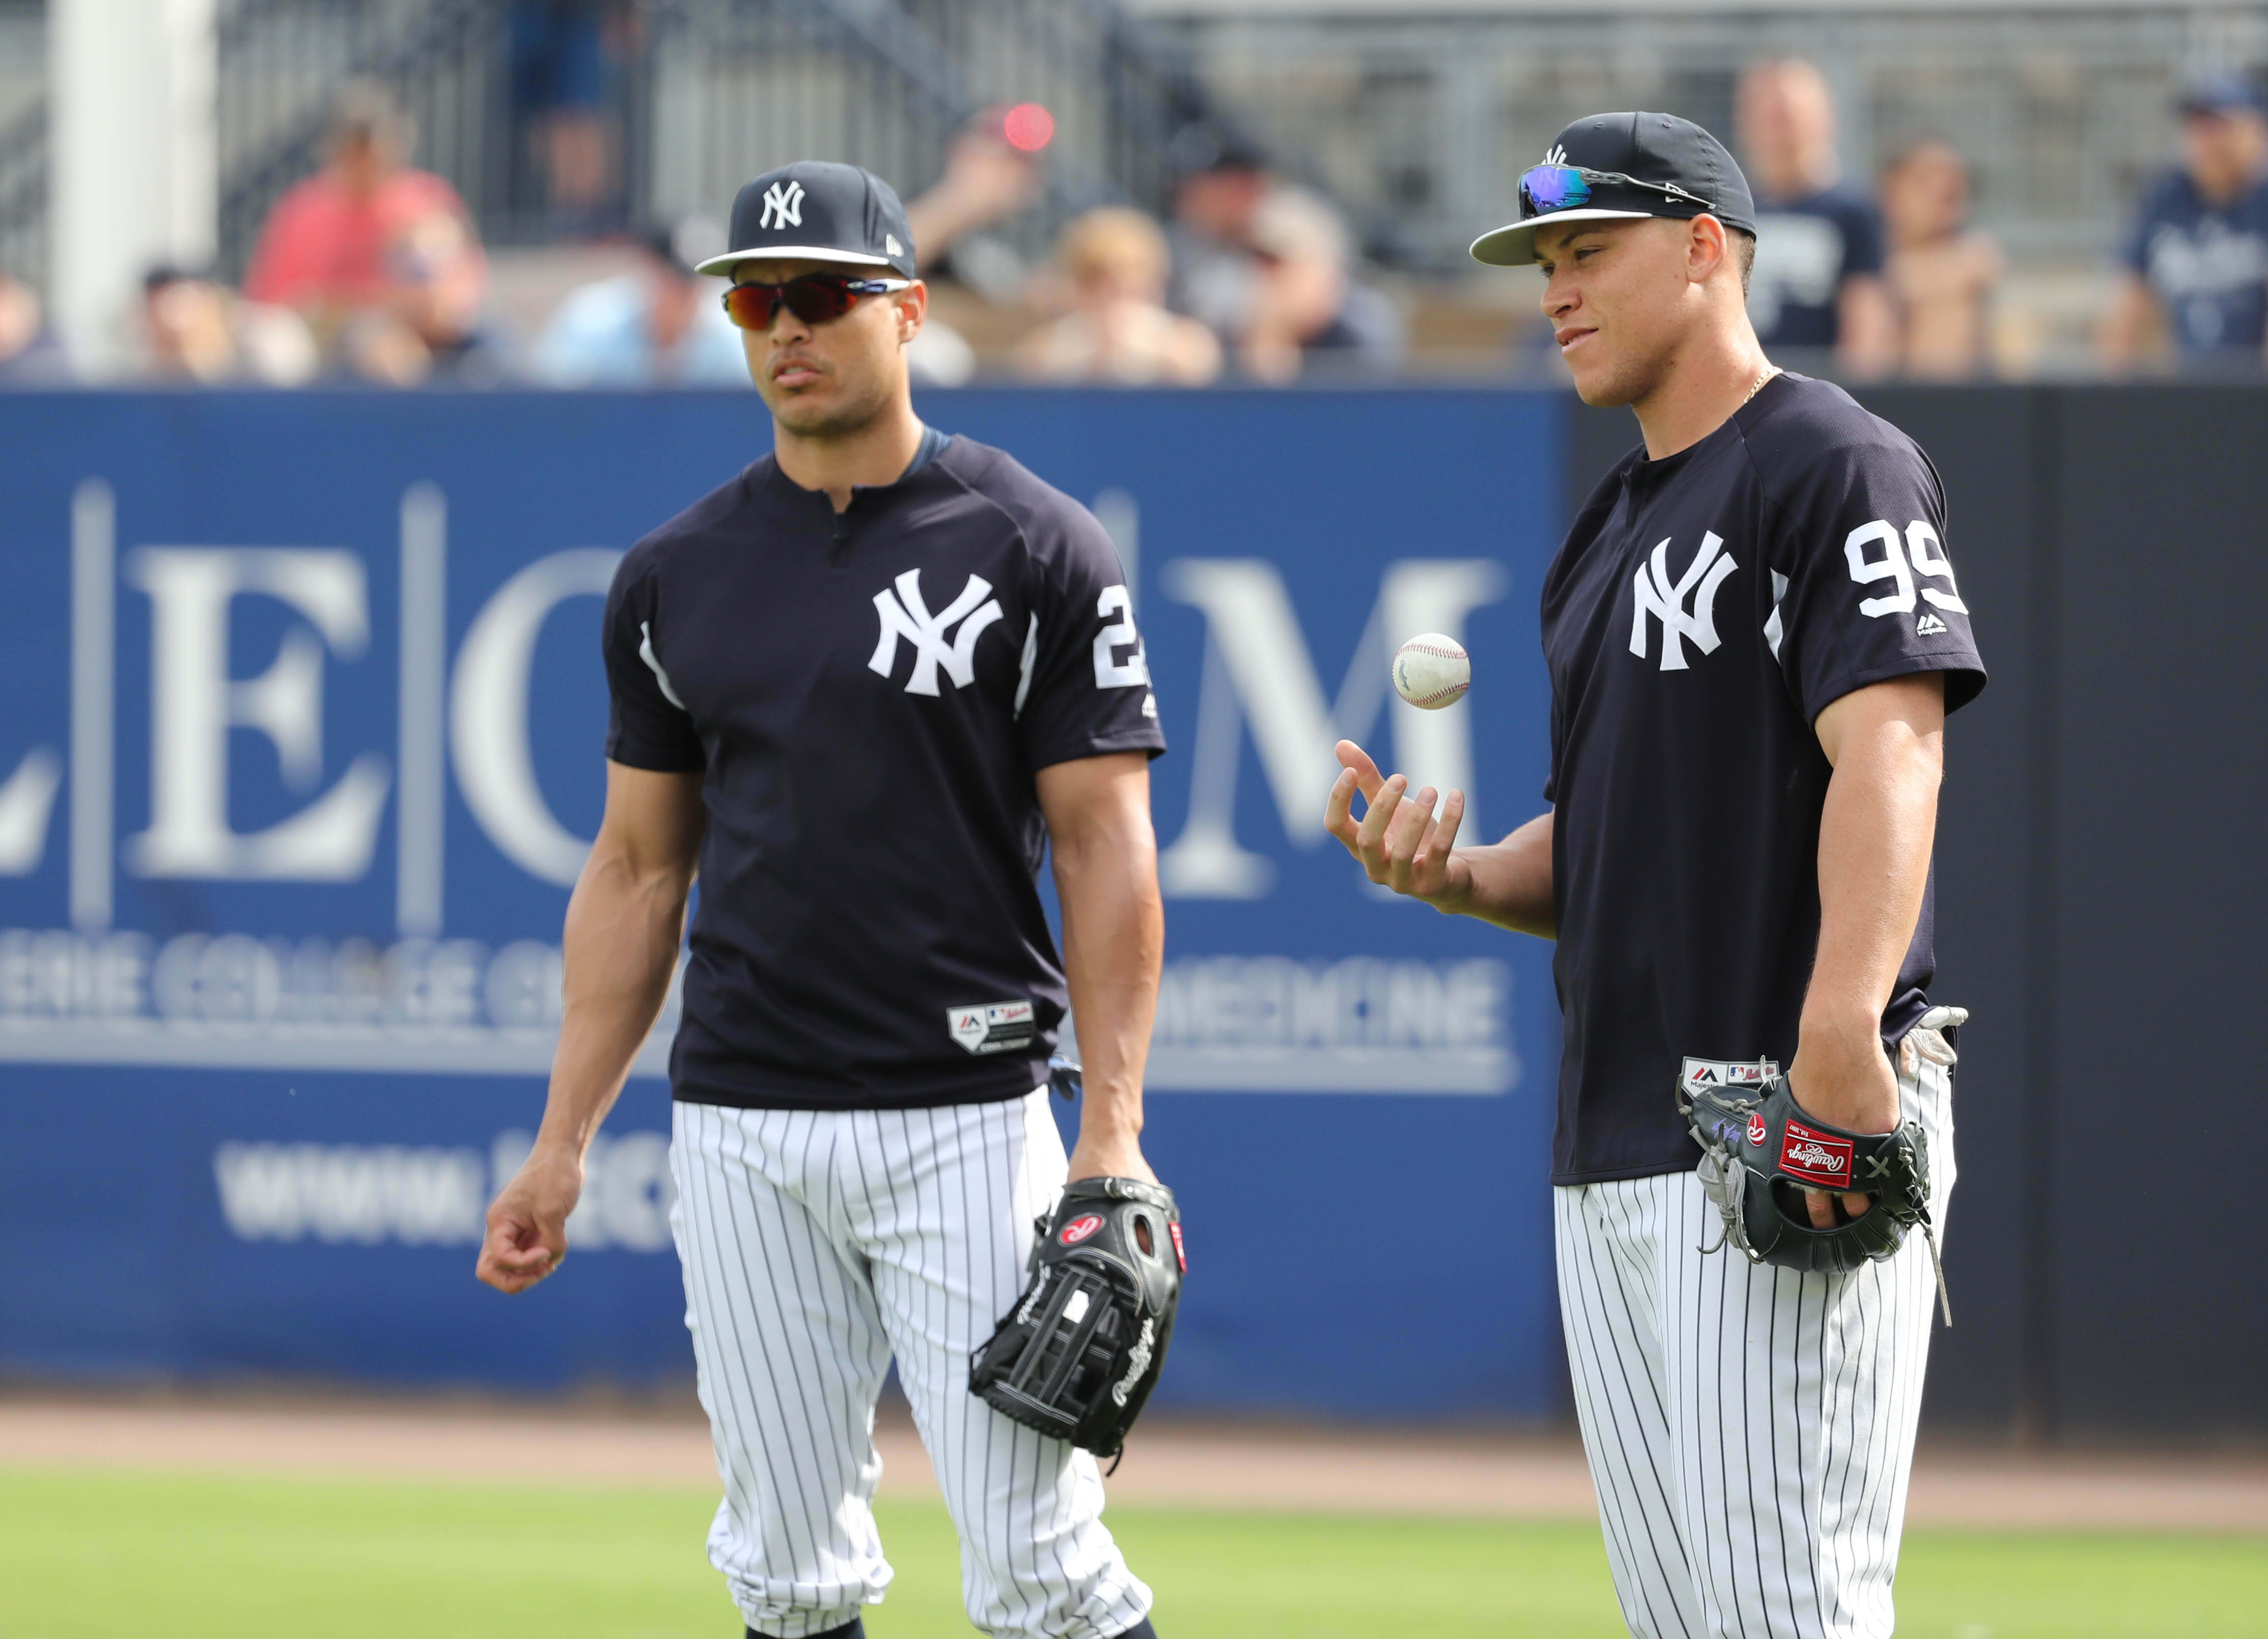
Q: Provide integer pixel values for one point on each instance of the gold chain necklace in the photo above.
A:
(1757, 386)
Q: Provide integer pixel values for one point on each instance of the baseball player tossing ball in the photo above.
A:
(858, 690)
(1754, 635)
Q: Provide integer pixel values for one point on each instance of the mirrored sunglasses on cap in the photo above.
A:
(814, 297)
(1548, 188)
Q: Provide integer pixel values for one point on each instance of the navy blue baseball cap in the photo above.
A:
(817, 211)
(2220, 94)
(1610, 166)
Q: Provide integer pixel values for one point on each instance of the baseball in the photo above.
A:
(1431, 671)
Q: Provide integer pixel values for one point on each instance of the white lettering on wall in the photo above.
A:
(27, 799)
(195, 703)
(435, 1195)
(1259, 673)
(488, 712)
(1363, 1024)
(449, 1007)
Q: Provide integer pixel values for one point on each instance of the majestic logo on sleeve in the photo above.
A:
(1655, 594)
(783, 206)
(906, 615)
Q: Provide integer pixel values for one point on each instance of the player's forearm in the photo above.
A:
(2126, 323)
(1114, 945)
(1512, 882)
(624, 927)
(1868, 323)
(1875, 833)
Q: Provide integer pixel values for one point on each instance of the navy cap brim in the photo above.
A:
(731, 259)
(1513, 245)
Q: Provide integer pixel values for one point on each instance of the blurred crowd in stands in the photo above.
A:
(372, 271)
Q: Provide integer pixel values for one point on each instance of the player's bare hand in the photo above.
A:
(1399, 842)
(528, 1223)
(1844, 1078)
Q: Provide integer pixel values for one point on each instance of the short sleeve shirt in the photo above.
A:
(2208, 265)
(867, 697)
(322, 244)
(1806, 248)
(1704, 610)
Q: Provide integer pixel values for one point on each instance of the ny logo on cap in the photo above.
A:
(1555, 155)
(783, 206)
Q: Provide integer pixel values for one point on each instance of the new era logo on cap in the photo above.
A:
(817, 211)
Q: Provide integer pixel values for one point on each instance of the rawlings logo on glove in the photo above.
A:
(1814, 1157)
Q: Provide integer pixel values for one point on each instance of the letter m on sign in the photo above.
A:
(1259, 674)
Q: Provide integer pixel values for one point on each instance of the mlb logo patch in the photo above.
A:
(1706, 1072)
(992, 1026)
(1816, 1157)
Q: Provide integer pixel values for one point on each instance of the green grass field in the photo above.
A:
(94, 1555)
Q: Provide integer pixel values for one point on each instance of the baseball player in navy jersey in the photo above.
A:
(1754, 634)
(860, 691)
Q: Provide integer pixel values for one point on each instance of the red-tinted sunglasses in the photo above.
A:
(814, 297)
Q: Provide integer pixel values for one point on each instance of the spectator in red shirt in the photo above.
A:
(380, 259)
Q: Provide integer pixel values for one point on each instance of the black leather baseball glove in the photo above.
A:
(1077, 1355)
(1760, 1151)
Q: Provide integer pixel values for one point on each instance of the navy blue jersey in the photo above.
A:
(1704, 610)
(1806, 248)
(867, 696)
(2208, 265)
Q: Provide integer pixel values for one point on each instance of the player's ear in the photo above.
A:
(911, 306)
(1707, 248)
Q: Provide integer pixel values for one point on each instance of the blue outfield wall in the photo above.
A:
(305, 712)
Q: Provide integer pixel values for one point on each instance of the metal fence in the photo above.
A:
(697, 96)
(725, 90)
(23, 141)
(1421, 121)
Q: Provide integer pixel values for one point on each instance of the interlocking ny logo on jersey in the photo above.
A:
(1656, 595)
(782, 205)
(906, 615)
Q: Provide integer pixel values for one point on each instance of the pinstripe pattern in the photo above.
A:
(1749, 1428)
(815, 1245)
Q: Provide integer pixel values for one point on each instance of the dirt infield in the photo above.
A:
(1172, 1462)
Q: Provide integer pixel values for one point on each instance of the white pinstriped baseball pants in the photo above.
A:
(816, 1244)
(1749, 1428)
